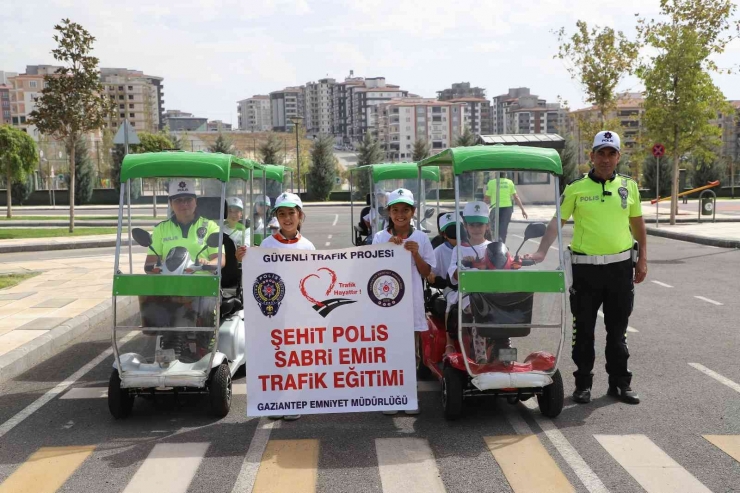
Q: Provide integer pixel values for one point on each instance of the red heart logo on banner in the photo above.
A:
(333, 281)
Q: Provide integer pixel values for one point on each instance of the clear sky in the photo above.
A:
(213, 53)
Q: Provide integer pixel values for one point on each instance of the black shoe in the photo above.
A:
(582, 396)
(624, 394)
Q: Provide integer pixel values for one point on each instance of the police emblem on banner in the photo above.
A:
(385, 288)
(623, 193)
(269, 290)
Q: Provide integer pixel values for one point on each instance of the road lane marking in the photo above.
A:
(169, 468)
(327, 243)
(629, 328)
(661, 284)
(729, 444)
(288, 466)
(708, 300)
(47, 469)
(407, 465)
(535, 241)
(655, 470)
(526, 464)
(60, 387)
(723, 380)
(336, 218)
(329, 237)
(587, 476)
(250, 466)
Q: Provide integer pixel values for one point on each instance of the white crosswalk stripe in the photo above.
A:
(169, 468)
(407, 465)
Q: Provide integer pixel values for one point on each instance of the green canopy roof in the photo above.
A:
(177, 163)
(241, 168)
(274, 172)
(508, 158)
(399, 171)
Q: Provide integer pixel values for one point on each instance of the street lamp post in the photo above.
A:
(296, 120)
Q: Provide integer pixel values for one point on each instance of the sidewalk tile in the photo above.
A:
(31, 313)
(77, 307)
(15, 296)
(43, 323)
(17, 338)
(55, 303)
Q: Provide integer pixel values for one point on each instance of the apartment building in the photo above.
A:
(181, 121)
(138, 98)
(362, 101)
(502, 119)
(400, 122)
(550, 119)
(341, 106)
(461, 90)
(477, 114)
(286, 105)
(629, 111)
(23, 91)
(5, 97)
(254, 114)
(319, 110)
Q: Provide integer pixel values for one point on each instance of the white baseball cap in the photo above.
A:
(607, 138)
(181, 188)
(447, 219)
(401, 196)
(476, 212)
(235, 202)
(287, 199)
(263, 200)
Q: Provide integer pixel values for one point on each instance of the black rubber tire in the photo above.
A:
(452, 393)
(552, 397)
(120, 401)
(219, 391)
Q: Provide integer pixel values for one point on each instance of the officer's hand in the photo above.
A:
(537, 257)
(524, 214)
(241, 252)
(640, 270)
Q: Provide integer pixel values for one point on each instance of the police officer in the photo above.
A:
(607, 214)
(505, 204)
(185, 228)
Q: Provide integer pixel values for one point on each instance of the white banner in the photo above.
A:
(329, 331)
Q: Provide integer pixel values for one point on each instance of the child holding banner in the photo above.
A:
(475, 219)
(290, 216)
(401, 211)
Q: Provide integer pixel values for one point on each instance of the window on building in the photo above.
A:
(131, 96)
(133, 124)
(438, 145)
(46, 84)
(120, 88)
(532, 178)
(123, 115)
(130, 88)
(131, 106)
(436, 118)
(408, 137)
(33, 84)
(436, 109)
(131, 115)
(23, 119)
(120, 97)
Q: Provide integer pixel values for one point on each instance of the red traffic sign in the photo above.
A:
(658, 150)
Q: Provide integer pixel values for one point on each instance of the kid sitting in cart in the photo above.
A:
(401, 231)
(439, 278)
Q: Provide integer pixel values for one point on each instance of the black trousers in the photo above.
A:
(504, 218)
(612, 286)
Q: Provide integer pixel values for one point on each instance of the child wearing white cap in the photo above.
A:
(234, 227)
(289, 213)
(443, 253)
(401, 231)
(475, 219)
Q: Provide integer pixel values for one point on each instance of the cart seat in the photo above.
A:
(502, 308)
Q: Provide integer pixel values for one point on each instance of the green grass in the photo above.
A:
(21, 233)
(10, 280)
(77, 217)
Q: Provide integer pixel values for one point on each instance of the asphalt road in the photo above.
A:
(658, 445)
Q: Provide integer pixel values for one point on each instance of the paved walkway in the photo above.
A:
(65, 289)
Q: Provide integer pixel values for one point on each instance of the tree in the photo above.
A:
(600, 59)
(18, 156)
(421, 149)
(175, 141)
(649, 178)
(707, 170)
(466, 139)
(569, 159)
(153, 143)
(271, 149)
(222, 144)
(73, 101)
(84, 173)
(680, 97)
(321, 176)
(368, 152)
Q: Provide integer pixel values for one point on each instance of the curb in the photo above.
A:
(78, 224)
(45, 247)
(53, 342)
(702, 240)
